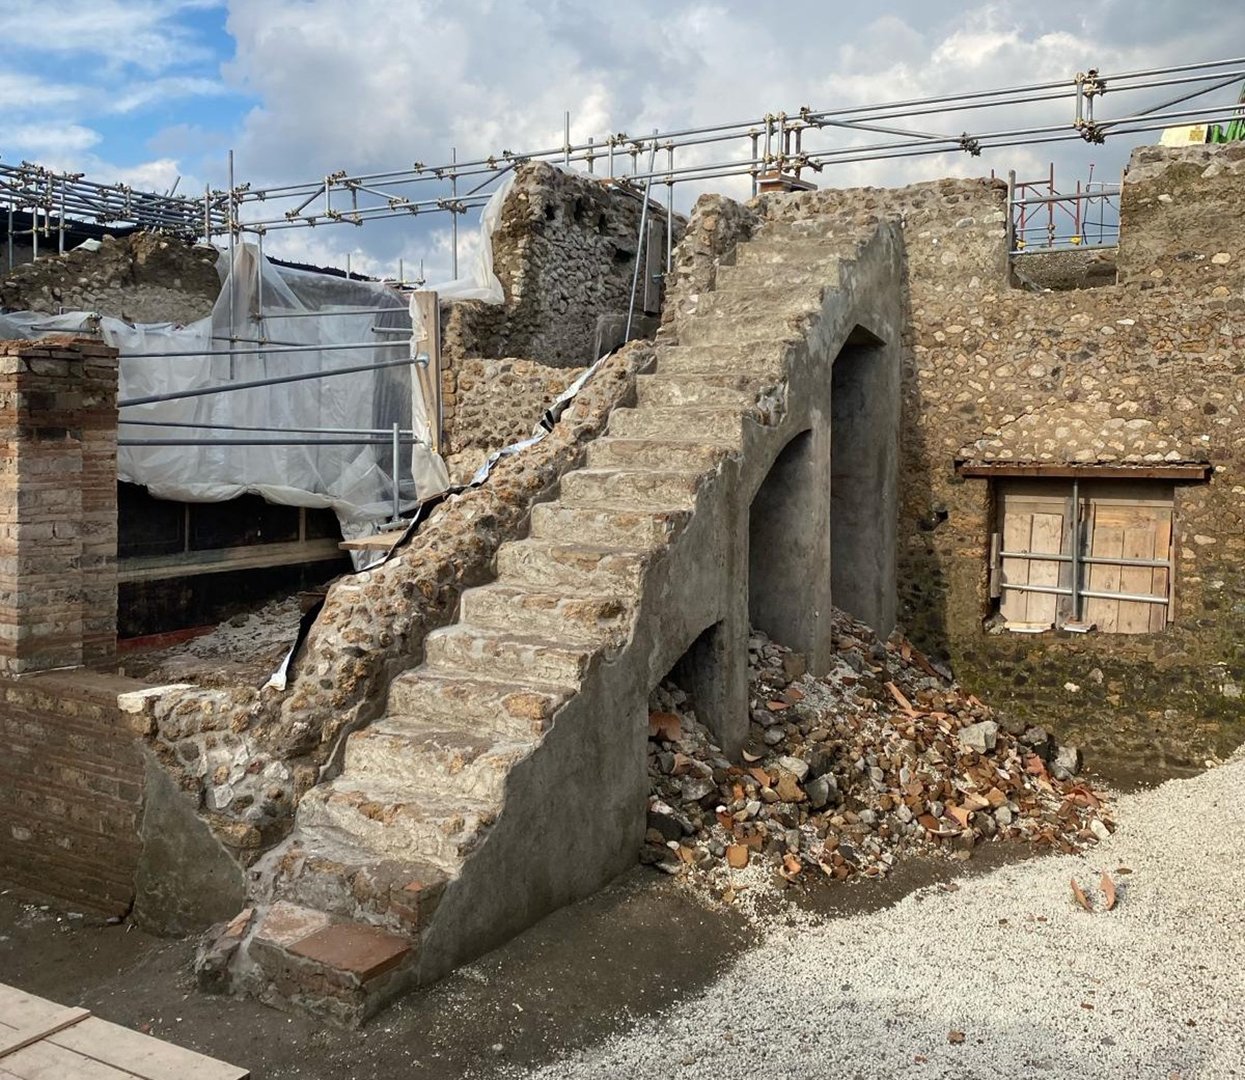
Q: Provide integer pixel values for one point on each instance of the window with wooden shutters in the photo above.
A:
(1083, 555)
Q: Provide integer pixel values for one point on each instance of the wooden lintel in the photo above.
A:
(1097, 472)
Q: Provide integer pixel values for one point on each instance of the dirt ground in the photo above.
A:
(581, 975)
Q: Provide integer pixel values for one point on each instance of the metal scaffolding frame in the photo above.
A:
(776, 147)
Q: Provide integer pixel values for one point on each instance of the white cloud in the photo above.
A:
(49, 141)
(139, 95)
(145, 33)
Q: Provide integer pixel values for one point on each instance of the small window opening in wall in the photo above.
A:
(1083, 555)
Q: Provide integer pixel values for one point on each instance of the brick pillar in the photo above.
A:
(58, 504)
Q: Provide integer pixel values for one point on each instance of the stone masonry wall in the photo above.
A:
(142, 278)
(1147, 371)
(564, 252)
(498, 402)
(72, 779)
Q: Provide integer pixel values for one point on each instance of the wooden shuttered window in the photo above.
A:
(1109, 548)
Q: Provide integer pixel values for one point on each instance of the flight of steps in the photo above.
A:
(342, 905)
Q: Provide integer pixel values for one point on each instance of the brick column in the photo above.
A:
(58, 504)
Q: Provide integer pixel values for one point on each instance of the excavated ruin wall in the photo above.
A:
(1148, 371)
(143, 278)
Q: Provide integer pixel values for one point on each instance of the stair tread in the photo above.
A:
(461, 629)
(501, 686)
(432, 804)
(335, 844)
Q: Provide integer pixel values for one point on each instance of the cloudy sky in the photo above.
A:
(148, 91)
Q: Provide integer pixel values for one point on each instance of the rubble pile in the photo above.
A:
(843, 774)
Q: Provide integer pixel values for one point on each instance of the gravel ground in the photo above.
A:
(1036, 986)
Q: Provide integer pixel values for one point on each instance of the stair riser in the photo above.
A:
(775, 276)
(647, 454)
(739, 333)
(588, 620)
(797, 252)
(388, 758)
(684, 425)
(760, 360)
(394, 831)
(768, 304)
(542, 567)
(600, 528)
(501, 659)
(346, 891)
(665, 390)
(635, 489)
(515, 714)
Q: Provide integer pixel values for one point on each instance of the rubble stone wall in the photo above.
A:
(498, 402)
(1145, 372)
(72, 778)
(565, 253)
(143, 278)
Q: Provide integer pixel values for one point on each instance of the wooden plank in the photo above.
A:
(1017, 529)
(20, 1010)
(1139, 541)
(1047, 539)
(1106, 542)
(142, 1055)
(12, 1041)
(47, 1061)
(378, 542)
(1160, 582)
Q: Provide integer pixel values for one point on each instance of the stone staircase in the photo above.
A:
(507, 775)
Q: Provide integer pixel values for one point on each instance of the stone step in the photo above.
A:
(344, 971)
(637, 489)
(762, 359)
(823, 230)
(794, 251)
(775, 275)
(572, 569)
(554, 615)
(730, 388)
(501, 654)
(396, 822)
(602, 526)
(433, 759)
(742, 332)
(768, 302)
(328, 870)
(607, 452)
(509, 710)
(698, 424)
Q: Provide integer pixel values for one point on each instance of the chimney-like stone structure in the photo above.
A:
(58, 504)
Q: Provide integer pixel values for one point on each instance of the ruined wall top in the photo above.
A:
(142, 278)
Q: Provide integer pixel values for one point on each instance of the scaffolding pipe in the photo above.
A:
(639, 251)
(278, 380)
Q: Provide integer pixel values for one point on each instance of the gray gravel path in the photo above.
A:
(1039, 987)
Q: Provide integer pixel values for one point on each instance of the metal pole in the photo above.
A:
(277, 381)
(1076, 550)
(397, 464)
(639, 251)
(233, 283)
(454, 216)
(566, 142)
(1011, 212)
(670, 211)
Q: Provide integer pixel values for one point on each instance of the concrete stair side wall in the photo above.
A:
(573, 814)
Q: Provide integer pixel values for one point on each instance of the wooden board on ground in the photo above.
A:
(40, 1040)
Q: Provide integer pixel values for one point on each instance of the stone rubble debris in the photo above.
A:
(842, 775)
